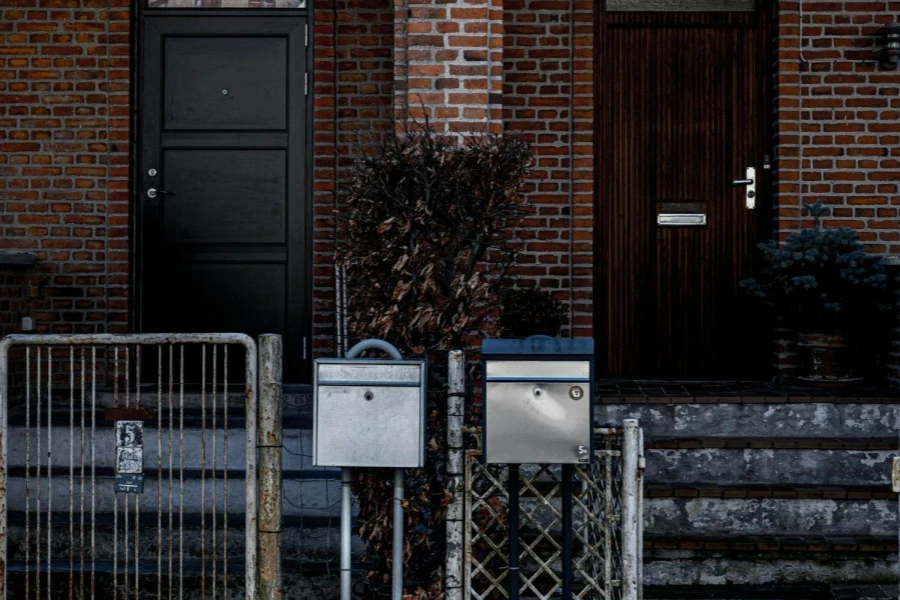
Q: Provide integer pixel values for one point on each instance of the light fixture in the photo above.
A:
(889, 40)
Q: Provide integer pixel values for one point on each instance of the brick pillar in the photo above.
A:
(448, 63)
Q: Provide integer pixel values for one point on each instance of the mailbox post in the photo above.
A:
(538, 397)
(370, 413)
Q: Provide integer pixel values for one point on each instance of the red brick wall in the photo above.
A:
(548, 97)
(353, 86)
(449, 63)
(64, 155)
(837, 124)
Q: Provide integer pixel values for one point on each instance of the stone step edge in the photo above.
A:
(772, 443)
(689, 490)
(773, 543)
(658, 400)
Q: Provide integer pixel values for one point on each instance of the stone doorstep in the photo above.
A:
(802, 592)
(782, 492)
(768, 543)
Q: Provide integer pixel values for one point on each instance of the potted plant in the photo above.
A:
(822, 283)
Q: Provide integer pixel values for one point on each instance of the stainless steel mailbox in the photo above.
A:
(538, 400)
(369, 413)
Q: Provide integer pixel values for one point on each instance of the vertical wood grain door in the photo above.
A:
(682, 115)
(223, 174)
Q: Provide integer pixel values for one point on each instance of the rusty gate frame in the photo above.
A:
(251, 405)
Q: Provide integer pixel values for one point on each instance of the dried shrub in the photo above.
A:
(431, 236)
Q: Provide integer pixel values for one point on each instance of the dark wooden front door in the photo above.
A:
(682, 114)
(224, 243)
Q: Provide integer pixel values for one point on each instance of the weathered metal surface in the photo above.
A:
(270, 466)
(456, 391)
(66, 463)
(630, 516)
(369, 413)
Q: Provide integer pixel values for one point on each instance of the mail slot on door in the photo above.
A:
(369, 413)
(538, 400)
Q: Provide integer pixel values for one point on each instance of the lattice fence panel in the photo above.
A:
(596, 526)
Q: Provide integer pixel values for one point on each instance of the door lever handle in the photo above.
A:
(153, 193)
(749, 181)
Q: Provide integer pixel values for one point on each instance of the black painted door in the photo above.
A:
(222, 179)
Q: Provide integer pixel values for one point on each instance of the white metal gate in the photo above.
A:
(81, 415)
(604, 535)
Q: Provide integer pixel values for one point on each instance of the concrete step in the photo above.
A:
(806, 420)
(307, 539)
(187, 448)
(757, 561)
(769, 467)
(306, 493)
(751, 517)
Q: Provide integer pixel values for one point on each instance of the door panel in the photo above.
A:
(225, 196)
(681, 118)
(224, 245)
(225, 83)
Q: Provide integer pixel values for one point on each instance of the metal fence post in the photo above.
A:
(270, 466)
(456, 393)
(630, 516)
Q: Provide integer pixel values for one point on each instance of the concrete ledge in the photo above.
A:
(689, 567)
(10, 258)
(810, 420)
(769, 517)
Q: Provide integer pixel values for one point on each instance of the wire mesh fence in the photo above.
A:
(597, 496)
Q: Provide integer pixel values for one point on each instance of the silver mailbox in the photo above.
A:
(369, 413)
(538, 400)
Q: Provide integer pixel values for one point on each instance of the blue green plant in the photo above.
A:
(822, 280)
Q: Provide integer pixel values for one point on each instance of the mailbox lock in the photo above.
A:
(368, 395)
(538, 392)
(576, 393)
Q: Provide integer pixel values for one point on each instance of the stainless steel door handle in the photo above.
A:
(153, 193)
(750, 182)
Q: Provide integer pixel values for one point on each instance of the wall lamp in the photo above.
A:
(889, 40)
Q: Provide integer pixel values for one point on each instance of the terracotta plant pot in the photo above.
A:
(827, 359)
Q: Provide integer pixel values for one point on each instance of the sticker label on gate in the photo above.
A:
(130, 483)
(129, 457)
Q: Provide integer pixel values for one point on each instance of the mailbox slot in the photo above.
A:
(369, 413)
(538, 401)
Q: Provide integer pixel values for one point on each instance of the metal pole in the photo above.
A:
(346, 535)
(456, 392)
(642, 466)
(4, 400)
(397, 549)
(567, 491)
(269, 444)
(512, 486)
(630, 435)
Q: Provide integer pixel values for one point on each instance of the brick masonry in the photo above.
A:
(474, 65)
(64, 156)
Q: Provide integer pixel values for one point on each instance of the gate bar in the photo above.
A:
(270, 466)
(513, 517)
(567, 491)
(630, 516)
(456, 393)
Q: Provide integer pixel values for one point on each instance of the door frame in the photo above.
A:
(767, 10)
(136, 251)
